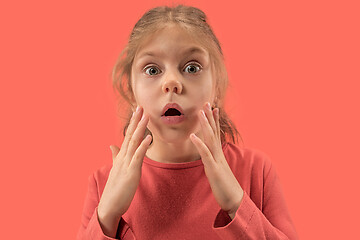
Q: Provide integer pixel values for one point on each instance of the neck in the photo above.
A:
(172, 152)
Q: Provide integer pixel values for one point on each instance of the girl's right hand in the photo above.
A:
(124, 176)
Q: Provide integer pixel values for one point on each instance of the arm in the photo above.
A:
(249, 222)
(108, 223)
(91, 227)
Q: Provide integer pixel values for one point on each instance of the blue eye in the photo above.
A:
(152, 71)
(193, 68)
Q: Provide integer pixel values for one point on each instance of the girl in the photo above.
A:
(177, 176)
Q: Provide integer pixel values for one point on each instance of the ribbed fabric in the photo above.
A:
(175, 201)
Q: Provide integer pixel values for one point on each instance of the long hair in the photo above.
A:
(194, 21)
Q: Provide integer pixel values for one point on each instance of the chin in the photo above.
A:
(174, 137)
(177, 135)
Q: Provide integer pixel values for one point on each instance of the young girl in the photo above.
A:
(176, 175)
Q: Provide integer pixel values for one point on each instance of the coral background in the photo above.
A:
(294, 90)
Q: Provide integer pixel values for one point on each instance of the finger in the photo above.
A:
(136, 138)
(131, 129)
(210, 116)
(217, 118)
(203, 150)
(114, 151)
(208, 133)
(137, 161)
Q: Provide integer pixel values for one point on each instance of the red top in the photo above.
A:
(175, 201)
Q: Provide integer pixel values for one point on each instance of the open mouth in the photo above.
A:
(172, 112)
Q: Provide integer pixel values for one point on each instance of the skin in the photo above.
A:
(199, 135)
(172, 81)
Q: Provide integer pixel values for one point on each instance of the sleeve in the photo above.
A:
(90, 228)
(274, 222)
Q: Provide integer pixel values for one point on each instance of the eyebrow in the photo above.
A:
(187, 51)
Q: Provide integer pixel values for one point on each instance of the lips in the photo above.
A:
(172, 105)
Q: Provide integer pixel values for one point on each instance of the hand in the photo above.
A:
(124, 176)
(225, 187)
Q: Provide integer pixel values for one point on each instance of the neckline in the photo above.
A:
(182, 165)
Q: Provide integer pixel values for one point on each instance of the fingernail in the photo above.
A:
(208, 105)
(203, 113)
(138, 109)
(143, 116)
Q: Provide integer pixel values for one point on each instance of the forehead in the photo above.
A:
(186, 51)
(170, 40)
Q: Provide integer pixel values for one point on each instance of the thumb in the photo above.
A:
(114, 150)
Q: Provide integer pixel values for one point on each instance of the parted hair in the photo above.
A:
(194, 21)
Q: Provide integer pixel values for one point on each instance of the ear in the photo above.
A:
(216, 101)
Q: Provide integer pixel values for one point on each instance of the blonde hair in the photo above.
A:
(194, 21)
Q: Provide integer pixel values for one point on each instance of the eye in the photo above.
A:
(151, 70)
(193, 68)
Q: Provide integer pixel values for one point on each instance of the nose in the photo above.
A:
(172, 84)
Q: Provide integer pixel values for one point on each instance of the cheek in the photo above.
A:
(141, 92)
(207, 86)
(148, 101)
(203, 93)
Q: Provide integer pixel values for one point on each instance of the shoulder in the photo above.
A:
(252, 168)
(100, 176)
(103, 171)
(251, 159)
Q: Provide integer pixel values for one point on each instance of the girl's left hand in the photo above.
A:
(225, 187)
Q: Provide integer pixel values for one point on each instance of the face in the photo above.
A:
(171, 67)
